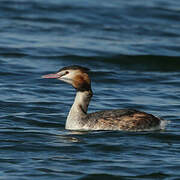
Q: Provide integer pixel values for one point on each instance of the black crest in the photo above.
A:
(75, 67)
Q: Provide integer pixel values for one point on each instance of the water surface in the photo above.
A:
(132, 48)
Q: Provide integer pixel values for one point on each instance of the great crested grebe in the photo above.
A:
(120, 119)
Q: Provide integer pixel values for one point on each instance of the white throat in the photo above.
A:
(78, 110)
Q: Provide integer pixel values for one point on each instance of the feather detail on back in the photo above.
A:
(126, 119)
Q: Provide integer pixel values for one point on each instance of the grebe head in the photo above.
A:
(75, 75)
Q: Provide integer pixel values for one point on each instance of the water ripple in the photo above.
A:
(132, 49)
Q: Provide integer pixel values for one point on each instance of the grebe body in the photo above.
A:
(119, 119)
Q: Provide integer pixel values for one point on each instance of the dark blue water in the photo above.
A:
(133, 50)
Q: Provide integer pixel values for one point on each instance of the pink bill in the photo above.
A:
(51, 76)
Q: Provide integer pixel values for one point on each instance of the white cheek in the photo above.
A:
(65, 79)
(68, 78)
(70, 75)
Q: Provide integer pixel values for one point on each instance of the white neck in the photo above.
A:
(78, 110)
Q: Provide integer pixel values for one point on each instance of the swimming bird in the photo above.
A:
(118, 119)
